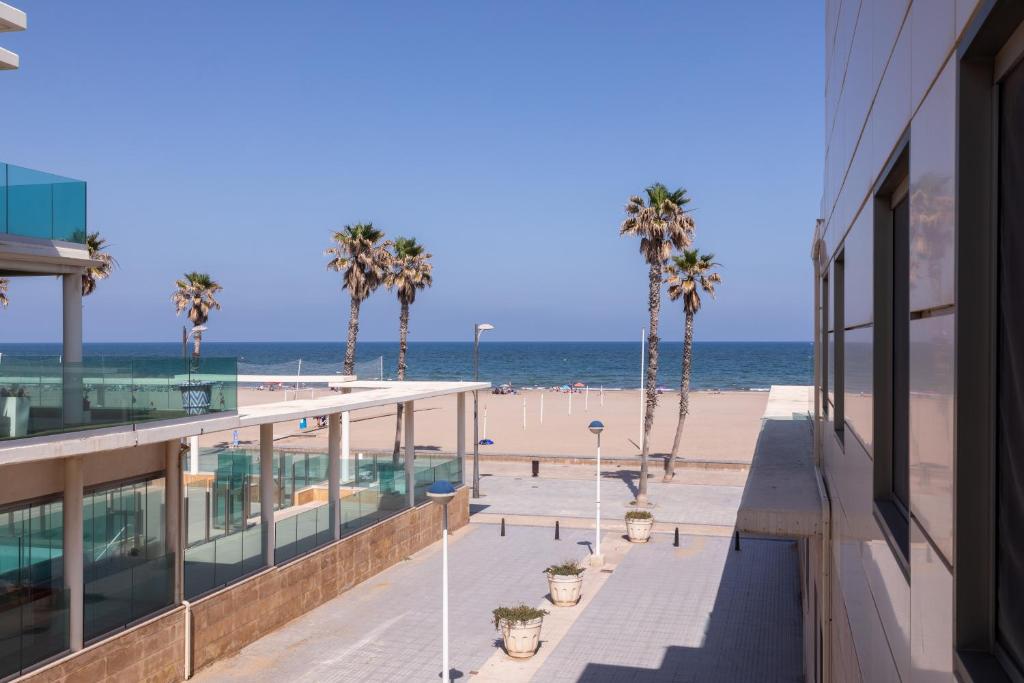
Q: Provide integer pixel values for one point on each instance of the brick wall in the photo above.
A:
(151, 652)
(227, 621)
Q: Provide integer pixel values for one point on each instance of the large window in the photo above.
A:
(128, 572)
(891, 439)
(838, 358)
(33, 601)
(1009, 605)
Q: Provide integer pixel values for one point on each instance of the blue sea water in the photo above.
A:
(716, 365)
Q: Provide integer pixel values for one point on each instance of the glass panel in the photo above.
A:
(302, 532)
(44, 205)
(128, 574)
(33, 602)
(43, 395)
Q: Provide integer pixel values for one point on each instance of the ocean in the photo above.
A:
(751, 366)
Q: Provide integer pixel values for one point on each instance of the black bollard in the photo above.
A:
(737, 540)
(676, 542)
(536, 467)
(502, 526)
(556, 530)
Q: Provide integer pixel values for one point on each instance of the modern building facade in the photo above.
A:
(11, 19)
(118, 561)
(919, 369)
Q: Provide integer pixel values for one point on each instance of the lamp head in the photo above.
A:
(483, 327)
(596, 427)
(441, 492)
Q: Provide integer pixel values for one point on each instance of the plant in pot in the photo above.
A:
(638, 525)
(564, 582)
(195, 293)
(520, 629)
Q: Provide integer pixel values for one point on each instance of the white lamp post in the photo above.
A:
(478, 329)
(193, 441)
(596, 427)
(442, 492)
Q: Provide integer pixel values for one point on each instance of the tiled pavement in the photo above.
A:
(701, 612)
(674, 502)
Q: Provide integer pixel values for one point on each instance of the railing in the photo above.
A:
(41, 205)
(435, 469)
(45, 395)
(298, 534)
(227, 559)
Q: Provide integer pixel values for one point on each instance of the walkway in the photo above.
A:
(698, 612)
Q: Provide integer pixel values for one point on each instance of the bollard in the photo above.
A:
(556, 530)
(536, 467)
(502, 526)
(676, 542)
(737, 540)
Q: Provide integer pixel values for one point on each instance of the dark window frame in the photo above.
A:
(838, 335)
(891, 513)
(977, 654)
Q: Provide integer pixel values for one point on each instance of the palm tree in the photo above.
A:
(410, 272)
(195, 291)
(661, 224)
(363, 259)
(97, 252)
(688, 275)
(4, 283)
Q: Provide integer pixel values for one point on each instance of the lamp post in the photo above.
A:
(193, 441)
(442, 492)
(596, 427)
(478, 329)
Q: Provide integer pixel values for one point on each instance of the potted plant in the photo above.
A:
(564, 582)
(520, 629)
(638, 525)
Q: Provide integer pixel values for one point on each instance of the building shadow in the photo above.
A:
(753, 632)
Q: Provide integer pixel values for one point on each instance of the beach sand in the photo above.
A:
(721, 427)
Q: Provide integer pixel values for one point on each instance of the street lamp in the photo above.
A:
(477, 330)
(596, 427)
(442, 492)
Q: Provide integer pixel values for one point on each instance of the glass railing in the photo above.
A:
(41, 205)
(217, 563)
(123, 590)
(300, 533)
(433, 468)
(44, 395)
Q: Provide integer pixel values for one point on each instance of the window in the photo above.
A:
(838, 359)
(989, 468)
(891, 440)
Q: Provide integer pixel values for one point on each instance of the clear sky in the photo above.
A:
(232, 137)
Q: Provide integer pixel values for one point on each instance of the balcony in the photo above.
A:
(43, 395)
(41, 205)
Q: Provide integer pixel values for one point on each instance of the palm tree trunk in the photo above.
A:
(653, 307)
(353, 332)
(197, 340)
(684, 397)
(403, 348)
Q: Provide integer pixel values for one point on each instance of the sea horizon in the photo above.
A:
(717, 365)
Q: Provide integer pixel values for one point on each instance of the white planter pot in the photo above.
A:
(639, 530)
(195, 397)
(522, 638)
(565, 590)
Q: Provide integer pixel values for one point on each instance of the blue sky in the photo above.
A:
(232, 137)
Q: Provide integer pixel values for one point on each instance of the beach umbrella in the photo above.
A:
(565, 387)
(579, 384)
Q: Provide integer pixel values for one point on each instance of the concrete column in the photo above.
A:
(72, 348)
(460, 432)
(267, 491)
(173, 505)
(345, 451)
(333, 467)
(410, 453)
(74, 554)
(193, 455)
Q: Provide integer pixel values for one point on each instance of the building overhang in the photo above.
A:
(29, 256)
(12, 18)
(8, 60)
(369, 394)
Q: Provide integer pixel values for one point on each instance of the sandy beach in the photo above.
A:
(721, 427)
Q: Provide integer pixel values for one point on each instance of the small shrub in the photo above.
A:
(567, 568)
(517, 614)
(638, 514)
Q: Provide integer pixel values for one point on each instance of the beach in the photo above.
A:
(722, 426)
